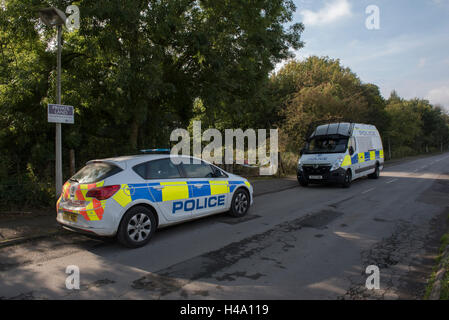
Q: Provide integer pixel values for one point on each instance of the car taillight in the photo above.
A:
(103, 193)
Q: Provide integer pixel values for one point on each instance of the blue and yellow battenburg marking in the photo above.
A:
(178, 190)
(363, 157)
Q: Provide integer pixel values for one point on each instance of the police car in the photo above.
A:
(131, 197)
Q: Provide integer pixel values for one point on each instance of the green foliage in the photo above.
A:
(321, 90)
(133, 72)
(416, 126)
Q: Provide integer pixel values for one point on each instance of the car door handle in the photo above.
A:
(198, 185)
(159, 187)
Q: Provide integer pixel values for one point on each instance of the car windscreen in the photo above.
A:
(94, 172)
(326, 144)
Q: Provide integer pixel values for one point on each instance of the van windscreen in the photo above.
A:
(326, 144)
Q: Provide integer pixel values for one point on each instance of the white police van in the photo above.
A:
(131, 197)
(341, 153)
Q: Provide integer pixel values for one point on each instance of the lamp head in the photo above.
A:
(52, 17)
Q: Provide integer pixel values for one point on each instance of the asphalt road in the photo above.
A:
(302, 243)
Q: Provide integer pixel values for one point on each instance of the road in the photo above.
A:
(302, 243)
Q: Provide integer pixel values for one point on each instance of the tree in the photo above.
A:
(133, 72)
(320, 90)
(405, 127)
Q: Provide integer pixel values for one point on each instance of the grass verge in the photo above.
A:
(441, 261)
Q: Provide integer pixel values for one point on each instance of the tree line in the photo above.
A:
(137, 69)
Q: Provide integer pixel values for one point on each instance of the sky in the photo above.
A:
(408, 52)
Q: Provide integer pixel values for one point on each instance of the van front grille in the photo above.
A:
(316, 170)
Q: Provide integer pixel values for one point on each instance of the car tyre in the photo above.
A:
(137, 227)
(240, 203)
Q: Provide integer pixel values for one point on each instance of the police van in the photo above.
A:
(131, 197)
(340, 153)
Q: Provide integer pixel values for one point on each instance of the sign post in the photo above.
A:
(58, 113)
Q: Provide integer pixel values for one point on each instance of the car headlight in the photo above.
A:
(337, 164)
(299, 165)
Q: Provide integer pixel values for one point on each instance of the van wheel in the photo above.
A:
(347, 179)
(375, 174)
(240, 203)
(303, 181)
(137, 227)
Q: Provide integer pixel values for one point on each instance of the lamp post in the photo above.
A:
(55, 17)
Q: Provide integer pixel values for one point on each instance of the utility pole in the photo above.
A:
(54, 17)
(58, 125)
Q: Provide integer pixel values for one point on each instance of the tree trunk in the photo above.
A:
(134, 135)
(72, 162)
(389, 148)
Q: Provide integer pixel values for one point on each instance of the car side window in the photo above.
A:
(218, 173)
(201, 170)
(158, 169)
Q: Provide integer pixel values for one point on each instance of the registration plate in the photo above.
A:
(316, 177)
(69, 216)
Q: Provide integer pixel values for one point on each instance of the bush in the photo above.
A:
(403, 151)
(26, 191)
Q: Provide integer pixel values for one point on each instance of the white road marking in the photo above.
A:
(391, 181)
(369, 190)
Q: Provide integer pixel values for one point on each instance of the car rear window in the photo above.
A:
(95, 172)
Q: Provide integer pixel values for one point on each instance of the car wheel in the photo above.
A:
(137, 227)
(375, 174)
(347, 179)
(240, 203)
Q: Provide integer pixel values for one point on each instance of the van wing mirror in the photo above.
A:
(302, 151)
(351, 150)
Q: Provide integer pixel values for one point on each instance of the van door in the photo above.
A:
(355, 159)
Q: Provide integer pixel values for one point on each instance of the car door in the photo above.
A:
(208, 193)
(168, 188)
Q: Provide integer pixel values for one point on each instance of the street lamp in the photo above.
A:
(55, 17)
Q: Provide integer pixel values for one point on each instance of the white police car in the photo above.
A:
(131, 197)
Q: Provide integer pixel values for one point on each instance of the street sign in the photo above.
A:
(59, 113)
